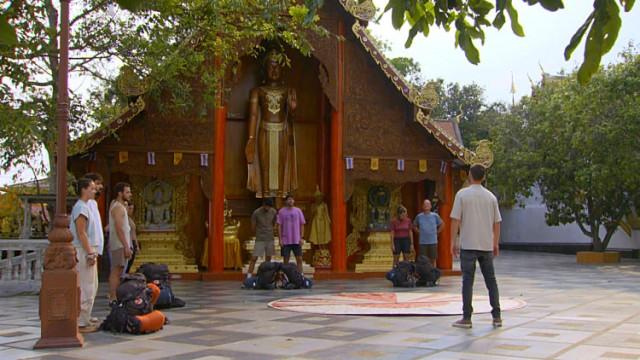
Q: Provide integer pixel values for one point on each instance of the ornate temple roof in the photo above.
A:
(421, 100)
(87, 141)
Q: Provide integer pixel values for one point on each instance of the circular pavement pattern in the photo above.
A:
(389, 303)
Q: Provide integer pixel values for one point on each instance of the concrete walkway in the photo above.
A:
(574, 312)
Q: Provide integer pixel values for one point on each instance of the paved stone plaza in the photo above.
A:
(574, 312)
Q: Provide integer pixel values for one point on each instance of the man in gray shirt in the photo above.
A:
(262, 221)
(475, 213)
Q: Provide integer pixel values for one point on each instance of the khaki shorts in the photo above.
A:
(118, 259)
(429, 250)
(263, 248)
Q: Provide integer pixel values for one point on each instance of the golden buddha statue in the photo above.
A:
(320, 234)
(270, 149)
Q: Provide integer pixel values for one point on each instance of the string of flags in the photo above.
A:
(374, 164)
(123, 156)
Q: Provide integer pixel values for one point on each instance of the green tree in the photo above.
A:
(466, 104)
(579, 145)
(471, 17)
(29, 72)
(410, 69)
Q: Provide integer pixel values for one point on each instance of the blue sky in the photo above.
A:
(547, 34)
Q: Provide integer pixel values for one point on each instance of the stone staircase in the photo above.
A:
(160, 247)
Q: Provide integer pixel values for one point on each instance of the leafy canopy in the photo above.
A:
(470, 18)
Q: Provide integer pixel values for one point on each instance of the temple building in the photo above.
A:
(340, 130)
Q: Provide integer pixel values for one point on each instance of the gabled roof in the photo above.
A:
(87, 141)
(420, 100)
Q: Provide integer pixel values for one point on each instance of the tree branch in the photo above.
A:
(87, 12)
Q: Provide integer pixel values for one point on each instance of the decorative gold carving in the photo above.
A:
(483, 154)
(379, 256)
(322, 258)
(163, 245)
(443, 138)
(357, 218)
(274, 98)
(363, 10)
(426, 98)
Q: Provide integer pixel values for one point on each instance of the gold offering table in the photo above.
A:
(379, 257)
(250, 244)
(160, 247)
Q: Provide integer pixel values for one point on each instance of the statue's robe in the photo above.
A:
(321, 226)
(273, 172)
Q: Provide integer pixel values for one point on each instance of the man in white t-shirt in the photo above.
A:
(476, 214)
(82, 228)
(95, 213)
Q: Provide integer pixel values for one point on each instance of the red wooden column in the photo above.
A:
(338, 205)
(420, 196)
(216, 208)
(445, 258)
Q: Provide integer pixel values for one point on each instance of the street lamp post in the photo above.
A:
(59, 293)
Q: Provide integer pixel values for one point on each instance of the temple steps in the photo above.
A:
(160, 247)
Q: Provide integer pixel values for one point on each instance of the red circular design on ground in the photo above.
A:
(389, 303)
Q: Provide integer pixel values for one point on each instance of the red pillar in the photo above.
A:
(420, 196)
(445, 259)
(216, 208)
(338, 204)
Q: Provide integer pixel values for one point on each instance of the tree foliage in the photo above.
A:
(470, 18)
(410, 69)
(579, 145)
(29, 72)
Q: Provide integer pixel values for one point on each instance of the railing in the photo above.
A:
(21, 265)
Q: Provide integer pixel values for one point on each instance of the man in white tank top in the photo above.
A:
(119, 235)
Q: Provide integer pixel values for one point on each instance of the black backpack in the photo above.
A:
(135, 297)
(117, 320)
(403, 275)
(427, 275)
(167, 299)
(154, 272)
(266, 276)
(293, 278)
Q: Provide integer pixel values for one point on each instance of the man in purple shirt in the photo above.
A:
(291, 228)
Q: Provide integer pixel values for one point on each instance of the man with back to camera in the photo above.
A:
(291, 229)
(476, 214)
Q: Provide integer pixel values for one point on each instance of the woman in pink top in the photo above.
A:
(402, 235)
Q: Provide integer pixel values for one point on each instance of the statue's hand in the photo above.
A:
(293, 101)
(250, 150)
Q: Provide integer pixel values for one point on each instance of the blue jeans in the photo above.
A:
(468, 260)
